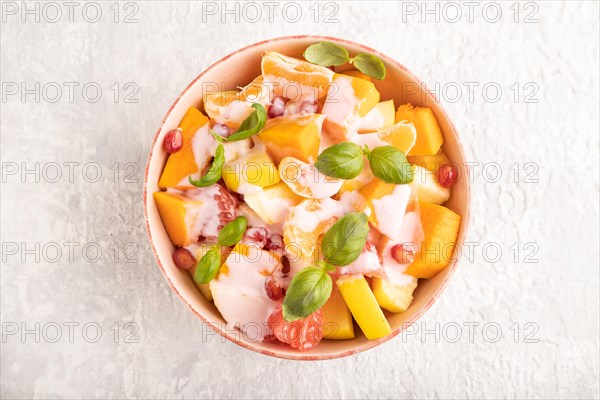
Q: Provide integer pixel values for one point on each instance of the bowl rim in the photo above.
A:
(299, 355)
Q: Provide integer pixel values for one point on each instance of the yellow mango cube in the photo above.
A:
(364, 307)
(394, 298)
(440, 226)
(255, 168)
(337, 319)
(429, 136)
(183, 163)
(382, 116)
(297, 136)
(177, 214)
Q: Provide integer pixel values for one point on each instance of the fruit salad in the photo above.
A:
(304, 205)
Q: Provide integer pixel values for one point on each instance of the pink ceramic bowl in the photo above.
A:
(241, 67)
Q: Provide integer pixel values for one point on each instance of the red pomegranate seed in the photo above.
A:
(447, 174)
(183, 258)
(256, 237)
(221, 130)
(277, 107)
(274, 291)
(173, 141)
(403, 253)
(285, 269)
(309, 107)
(275, 242)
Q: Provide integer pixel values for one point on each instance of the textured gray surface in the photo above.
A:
(554, 300)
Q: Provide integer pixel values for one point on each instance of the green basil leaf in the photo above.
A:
(345, 240)
(213, 174)
(370, 65)
(326, 54)
(232, 232)
(343, 161)
(251, 125)
(308, 291)
(208, 265)
(390, 165)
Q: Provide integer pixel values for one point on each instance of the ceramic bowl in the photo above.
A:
(240, 68)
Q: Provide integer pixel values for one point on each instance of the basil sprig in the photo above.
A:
(345, 161)
(251, 125)
(390, 165)
(233, 232)
(213, 174)
(310, 288)
(209, 264)
(330, 54)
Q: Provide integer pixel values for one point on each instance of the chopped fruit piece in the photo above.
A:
(253, 169)
(183, 258)
(183, 163)
(402, 136)
(173, 141)
(272, 203)
(363, 306)
(348, 100)
(386, 203)
(308, 107)
(381, 117)
(427, 188)
(176, 213)
(297, 136)
(302, 334)
(273, 289)
(432, 163)
(447, 175)
(306, 180)
(295, 79)
(394, 298)
(222, 130)
(306, 222)
(357, 183)
(429, 135)
(357, 74)
(239, 289)
(441, 226)
(232, 107)
(368, 263)
(337, 319)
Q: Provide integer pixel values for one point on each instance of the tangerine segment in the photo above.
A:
(231, 107)
(296, 136)
(429, 136)
(402, 136)
(183, 163)
(440, 226)
(294, 78)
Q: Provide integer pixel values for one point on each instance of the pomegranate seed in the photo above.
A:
(221, 130)
(286, 265)
(255, 237)
(274, 291)
(173, 141)
(277, 107)
(275, 242)
(308, 107)
(183, 258)
(403, 253)
(447, 174)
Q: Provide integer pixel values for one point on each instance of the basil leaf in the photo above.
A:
(344, 161)
(232, 232)
(308, 291)
(213, 174)
(345, 240)
(390, 165)
(370, 65)
(251, 125)
(208, 265)
(326, 54)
